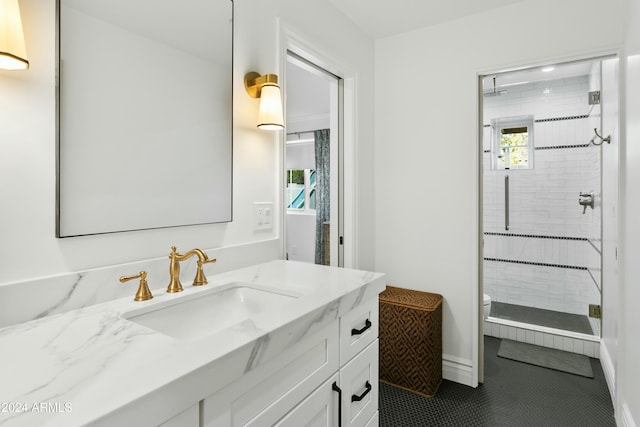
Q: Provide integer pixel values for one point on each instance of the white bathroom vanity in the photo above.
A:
(281, 343)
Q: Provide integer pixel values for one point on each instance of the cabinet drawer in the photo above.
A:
(265, 394)
(317, 410)
(359, 383)
(358, 329)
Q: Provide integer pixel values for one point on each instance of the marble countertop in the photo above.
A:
(91, 365)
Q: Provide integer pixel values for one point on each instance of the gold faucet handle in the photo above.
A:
(201, 279)
(143, 293)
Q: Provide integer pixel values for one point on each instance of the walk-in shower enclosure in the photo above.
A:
(542, 247)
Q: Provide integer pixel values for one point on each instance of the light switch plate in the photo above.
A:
(262, 216)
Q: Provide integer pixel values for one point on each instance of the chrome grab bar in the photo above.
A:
(506, 202)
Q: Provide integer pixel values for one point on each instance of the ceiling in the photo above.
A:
(537, 74)
(383, 18)
(307, 95)
(307, 92)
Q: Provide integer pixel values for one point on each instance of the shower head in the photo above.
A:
(495, 92)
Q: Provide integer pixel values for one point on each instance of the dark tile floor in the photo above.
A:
(514, 394)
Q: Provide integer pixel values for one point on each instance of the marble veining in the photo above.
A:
(74, 290)
(63, 293)
(256, 352)
(91, 365)
(58, 304)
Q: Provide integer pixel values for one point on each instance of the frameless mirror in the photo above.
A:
(144, 114)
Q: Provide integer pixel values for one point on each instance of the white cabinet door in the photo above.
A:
(297, 389)
(359, 383)
(375, 420)
(187, 418)
(358, 329)
(264, 395)
(317, 410)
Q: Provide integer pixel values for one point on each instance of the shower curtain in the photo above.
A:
(323, 204)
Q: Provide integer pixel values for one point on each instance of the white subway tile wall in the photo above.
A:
(587, 347)
(549, 257)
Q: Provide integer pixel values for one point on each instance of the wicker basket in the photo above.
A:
(411, 340)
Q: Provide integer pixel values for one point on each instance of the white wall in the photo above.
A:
(301, 226)
(628, 399)
(28, 161)
(610, 220)
(301, 156)
(27, 145)
(301, 236)
(427, 166)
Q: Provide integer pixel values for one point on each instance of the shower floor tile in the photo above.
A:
(541, 317)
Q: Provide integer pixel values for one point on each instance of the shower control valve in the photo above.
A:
(586, 199)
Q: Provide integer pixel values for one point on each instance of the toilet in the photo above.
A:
(487, 305)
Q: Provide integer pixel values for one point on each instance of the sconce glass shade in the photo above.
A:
(270, 111)
(13, 54)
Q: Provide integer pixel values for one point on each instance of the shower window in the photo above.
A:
(512, 146)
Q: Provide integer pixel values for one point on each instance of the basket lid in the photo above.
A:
(411, 298)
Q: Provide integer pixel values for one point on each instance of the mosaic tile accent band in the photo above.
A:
(542, 264)
(535, 236)
(556, 147)
(553, 147)
(557, 119)
(553, 119)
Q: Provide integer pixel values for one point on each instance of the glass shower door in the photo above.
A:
(542, 251)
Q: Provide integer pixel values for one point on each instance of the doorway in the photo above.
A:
(547, 133)
(313, 164)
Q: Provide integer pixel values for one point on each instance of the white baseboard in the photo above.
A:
(609, 370)
(458, 370)
(625, 418)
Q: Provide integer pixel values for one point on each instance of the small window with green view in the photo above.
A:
(301, 189)
(512, 146)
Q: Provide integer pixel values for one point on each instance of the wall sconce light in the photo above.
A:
(266, 88)
(13, 54)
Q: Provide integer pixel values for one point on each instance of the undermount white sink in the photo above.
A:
(204, 313)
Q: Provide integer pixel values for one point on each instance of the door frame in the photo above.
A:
(292, 42)
(478, 345)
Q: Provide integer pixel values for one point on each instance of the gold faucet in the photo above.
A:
(174, 268)
(143, 293)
